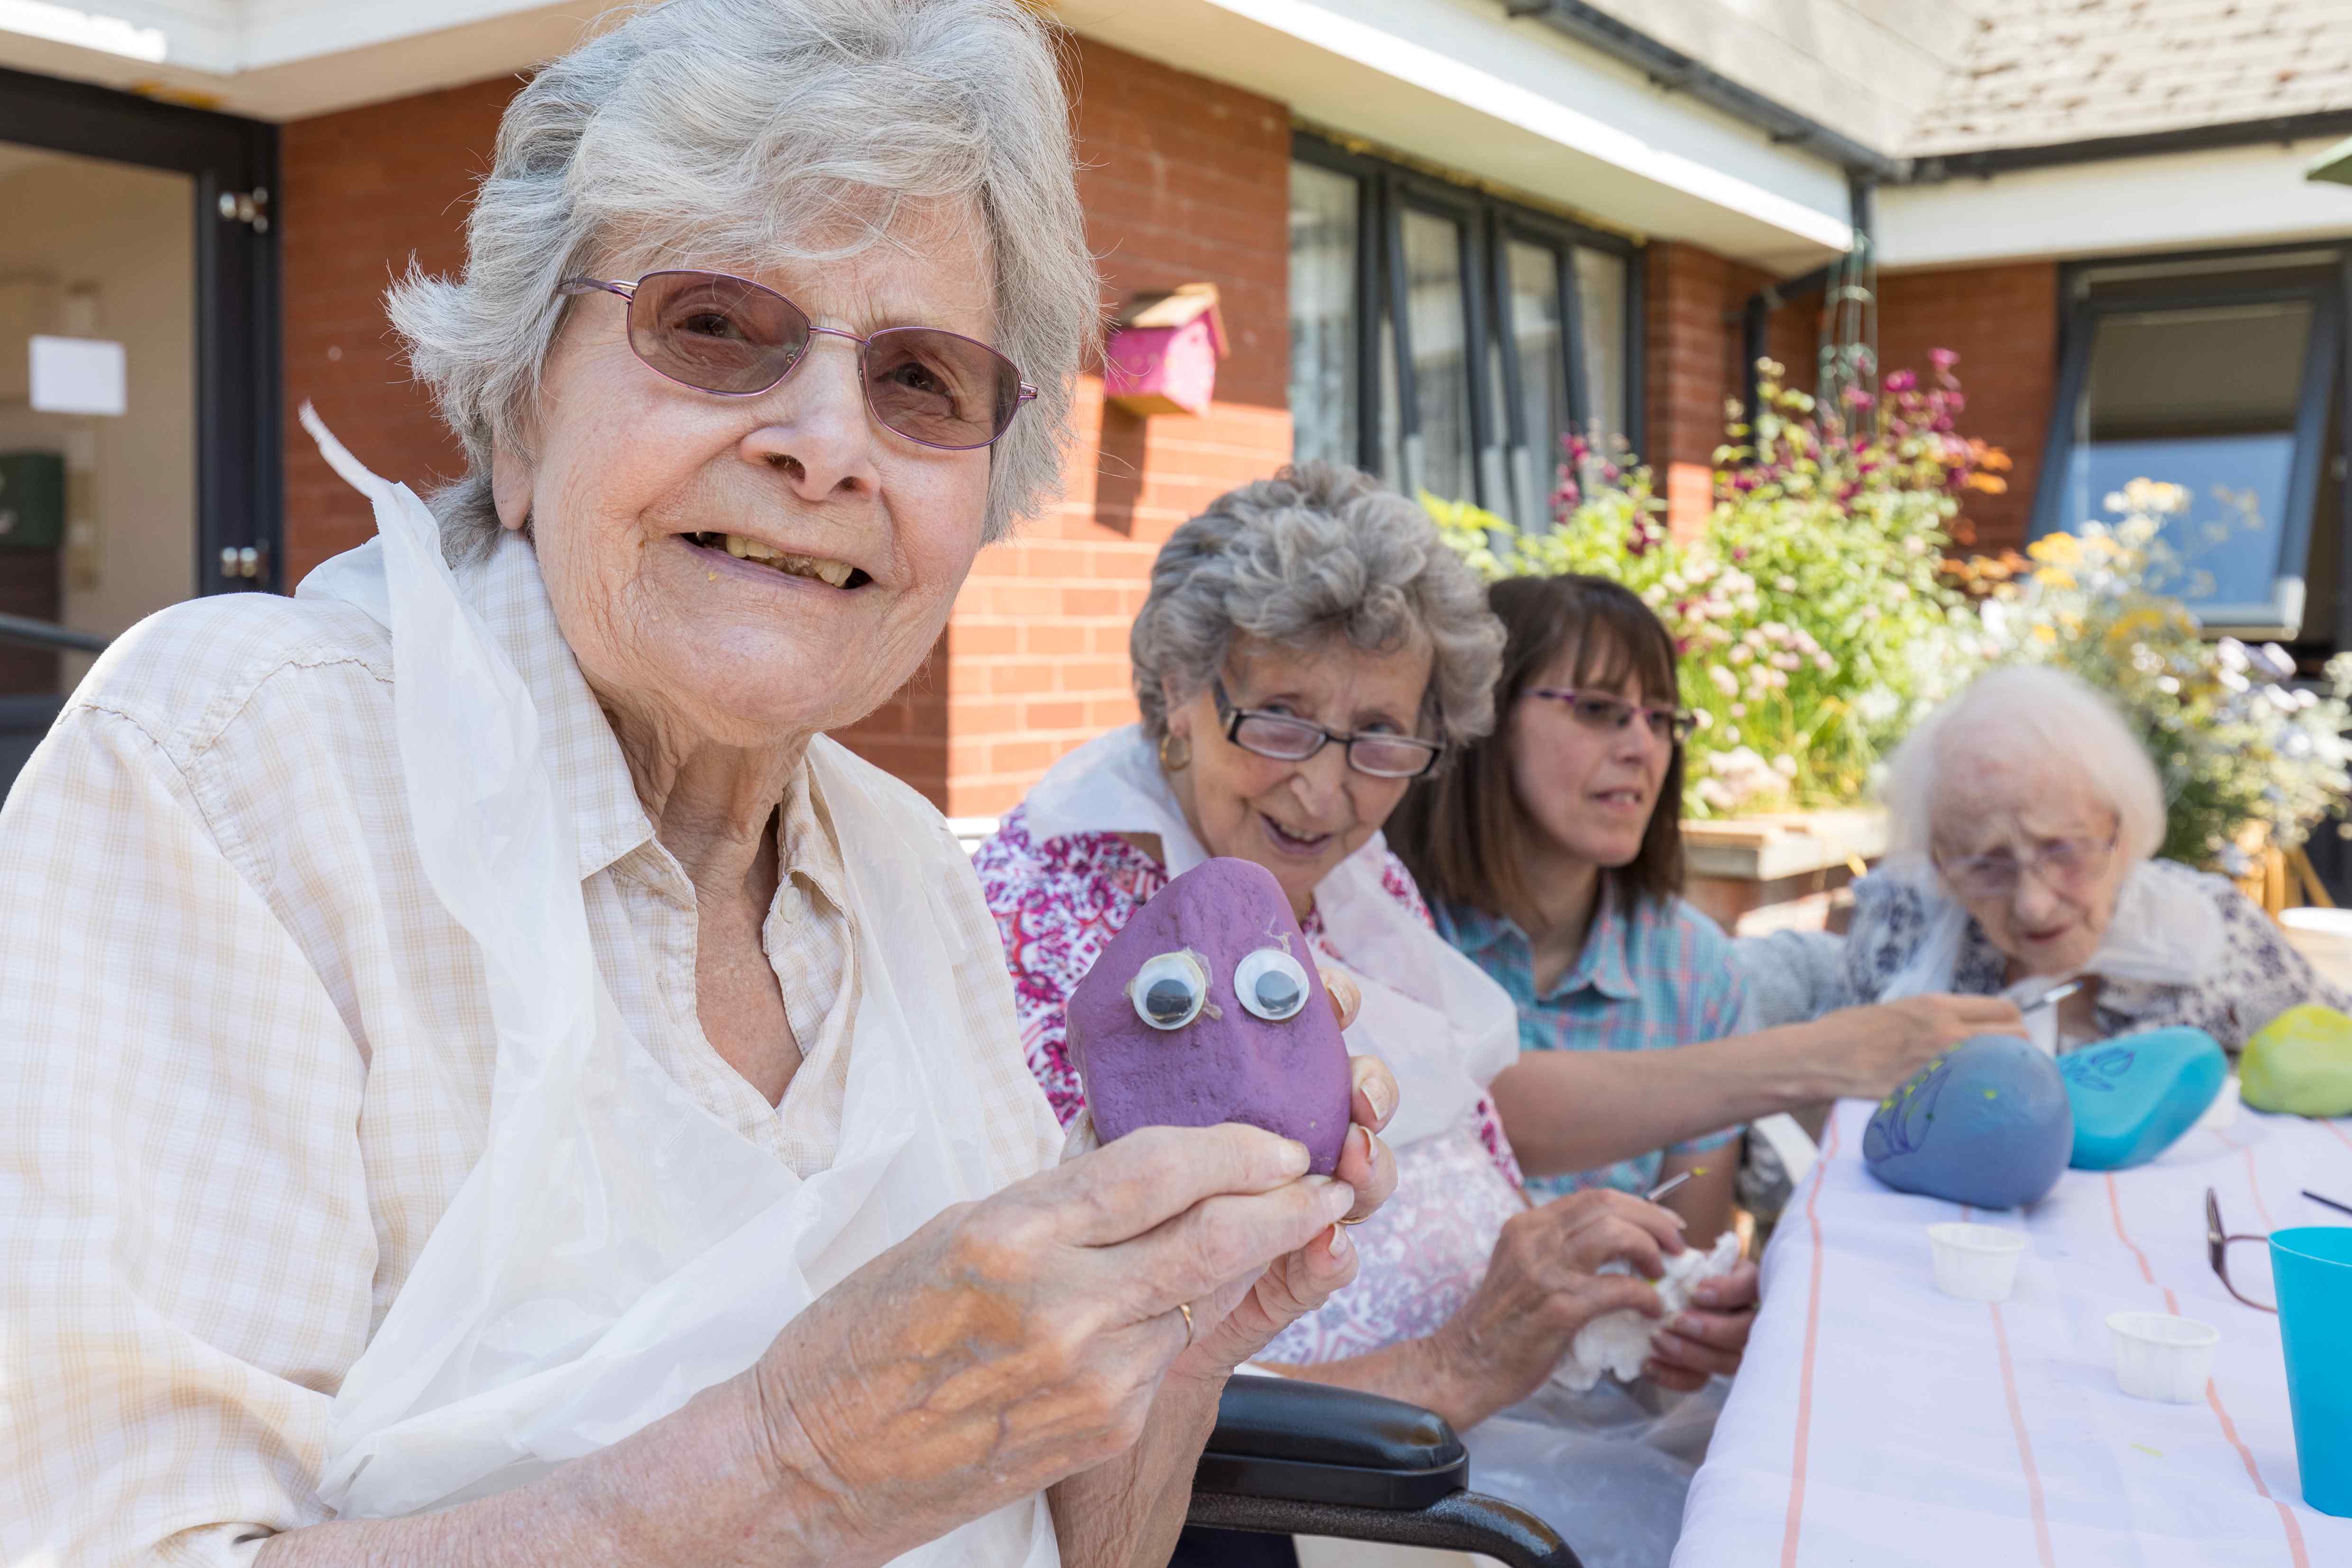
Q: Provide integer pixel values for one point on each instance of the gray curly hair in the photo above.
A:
(733, 133)
(1317, 553)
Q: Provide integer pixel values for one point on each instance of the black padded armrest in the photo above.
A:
(1304, 1442)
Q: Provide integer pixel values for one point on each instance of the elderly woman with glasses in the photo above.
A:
(2025, 815)
(345, 1186)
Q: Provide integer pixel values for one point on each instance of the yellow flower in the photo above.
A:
(2053, 577)
(2058, 549)
(2043, 634)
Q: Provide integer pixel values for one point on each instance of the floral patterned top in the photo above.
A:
(2254, 977)
(1059, 903)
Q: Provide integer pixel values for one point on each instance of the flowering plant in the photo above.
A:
(1814, 621)
(2233, 740)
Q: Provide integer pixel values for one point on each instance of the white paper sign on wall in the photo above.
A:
(78, 375)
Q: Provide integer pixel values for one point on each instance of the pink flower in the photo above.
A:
(1901, 381)
(1942, 359)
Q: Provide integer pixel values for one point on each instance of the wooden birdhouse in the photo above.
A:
(1163, 352)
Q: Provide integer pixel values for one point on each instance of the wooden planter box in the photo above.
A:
(1755, 874)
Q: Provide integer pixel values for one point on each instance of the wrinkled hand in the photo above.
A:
(1708, 1338)
(1540, 1289)
(1239, 1321)
(1013, 1341)
(1896, 1039)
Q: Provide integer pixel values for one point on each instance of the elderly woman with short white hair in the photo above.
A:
(482, 1077)
(2025, 816)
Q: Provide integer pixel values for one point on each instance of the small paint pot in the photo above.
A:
(2161, 1357)
(1976, 1262)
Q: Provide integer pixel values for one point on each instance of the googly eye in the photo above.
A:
(1169, 990)
(1271, 983)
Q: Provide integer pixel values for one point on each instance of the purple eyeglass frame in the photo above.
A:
(1681, 720)
(627, 290)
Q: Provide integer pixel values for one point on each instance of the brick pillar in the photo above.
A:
(1693, 369)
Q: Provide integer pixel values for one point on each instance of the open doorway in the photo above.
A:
(97, 497)
(137, 377)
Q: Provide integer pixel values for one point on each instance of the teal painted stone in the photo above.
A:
(2134, 1095)
(1986, 1124)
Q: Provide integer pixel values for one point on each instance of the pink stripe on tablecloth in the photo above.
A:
(2024, 1443)
(2213, 1395)
(1805, 1367)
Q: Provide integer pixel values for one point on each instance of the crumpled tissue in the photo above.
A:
(1619, 1342)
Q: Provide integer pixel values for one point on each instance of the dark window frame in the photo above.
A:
(2326, 383)
(240, 480)
(1488, 224)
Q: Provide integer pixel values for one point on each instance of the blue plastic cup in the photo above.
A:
(2311, 1266)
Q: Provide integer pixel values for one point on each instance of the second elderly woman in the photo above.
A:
(353, 936)
(1309, 648)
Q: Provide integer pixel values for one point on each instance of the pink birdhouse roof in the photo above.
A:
(1176, 307)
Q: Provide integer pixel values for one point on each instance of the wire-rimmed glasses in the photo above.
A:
(2218, 1243)
(1600, 711)
(1287, 738)
(2065, 865)
(720, 334)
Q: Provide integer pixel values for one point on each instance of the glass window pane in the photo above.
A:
(1601, 301)
(2203, 397)
(1432, 265)
(1323, 306)
(1536, 327)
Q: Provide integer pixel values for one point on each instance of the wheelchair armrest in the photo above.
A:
(1283, 1438)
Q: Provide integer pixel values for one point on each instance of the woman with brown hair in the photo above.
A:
(1550, 853)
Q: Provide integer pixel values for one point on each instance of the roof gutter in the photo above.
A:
(2281, 129)
(1675, 71)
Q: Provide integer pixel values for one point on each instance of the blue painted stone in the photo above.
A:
(2136, 1093)
(1985, 1123)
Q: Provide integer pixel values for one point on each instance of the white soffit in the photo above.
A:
(2192, 201)
(1459, 84)
(284, 59)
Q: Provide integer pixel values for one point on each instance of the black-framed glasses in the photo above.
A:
(719, 333)
(1287, 738)
(2218, 1243)
(1600, 710)
(2062, 864)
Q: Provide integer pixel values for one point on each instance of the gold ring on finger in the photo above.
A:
(1185, 1308)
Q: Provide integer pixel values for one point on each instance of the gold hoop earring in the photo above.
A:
(1177, 762)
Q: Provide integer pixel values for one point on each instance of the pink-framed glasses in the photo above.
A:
(720, 334)
(1600, 710)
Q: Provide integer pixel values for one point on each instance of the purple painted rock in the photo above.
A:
(1208, 1008)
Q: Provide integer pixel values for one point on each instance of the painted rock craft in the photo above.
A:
(1208, 1008)
(1985, 1123)
(2134, 1095)
(2300, 1062)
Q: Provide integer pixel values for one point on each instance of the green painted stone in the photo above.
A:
(2300, 1062)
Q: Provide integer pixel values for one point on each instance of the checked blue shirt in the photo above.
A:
(1651, 975)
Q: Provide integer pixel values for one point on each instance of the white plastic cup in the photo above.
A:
(1976, 1262)
(2161, 1357)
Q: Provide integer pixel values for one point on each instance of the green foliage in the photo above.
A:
(1814, 623)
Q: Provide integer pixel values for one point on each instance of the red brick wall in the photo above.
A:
(365, 190)
(2003, 323)
(1183, 180)
(1692, 368)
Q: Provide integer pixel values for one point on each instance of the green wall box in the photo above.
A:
(32, 501)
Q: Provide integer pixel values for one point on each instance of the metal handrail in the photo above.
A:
(48, 634)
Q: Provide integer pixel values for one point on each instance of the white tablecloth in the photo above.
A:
(1878, 1423)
